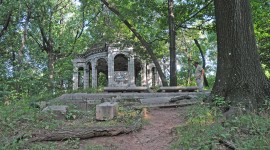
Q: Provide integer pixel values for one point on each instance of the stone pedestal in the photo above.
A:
(106, 111)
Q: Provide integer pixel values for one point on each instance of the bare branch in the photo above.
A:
(38, 43)
(79, 33)
(158, 39)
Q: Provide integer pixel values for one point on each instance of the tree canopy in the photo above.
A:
(38, 39)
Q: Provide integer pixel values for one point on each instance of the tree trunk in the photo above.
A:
(173, 78)
(189, 70)
(51, 61)
(240, 78)
(6, 24)
(142, 40)
(83, 133)
(205, 82)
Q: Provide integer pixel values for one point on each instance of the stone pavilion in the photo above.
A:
(120, 67)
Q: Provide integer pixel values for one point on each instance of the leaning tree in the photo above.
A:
(240, 78)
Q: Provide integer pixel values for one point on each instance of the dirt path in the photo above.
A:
(155, 135)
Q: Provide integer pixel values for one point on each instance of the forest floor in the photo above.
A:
(156, 133)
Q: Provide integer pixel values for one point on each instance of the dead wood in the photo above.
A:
(228, 144)
(83, 133)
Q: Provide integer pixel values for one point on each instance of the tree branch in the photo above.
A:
(6, 24)
(79, 33)
(193, 15)
(203, 59)
(39, 44)
(158, 39)
(141, 39)
(45, 40)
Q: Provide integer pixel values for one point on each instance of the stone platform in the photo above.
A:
(111, 96)
(178, 88)
(86, 100)
(126, 89)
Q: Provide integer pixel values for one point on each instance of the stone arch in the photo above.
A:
(80, 77)
(138, 71)
(89, 72)
(102, 72)
(120, 62)
(153, 72)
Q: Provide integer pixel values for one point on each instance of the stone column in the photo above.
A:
(75, 77)
(158, 81)
(143, 75)
(155, 76)
(110, 70)
(131, 71)
(149, 76)
(86, 76)
(94, 73)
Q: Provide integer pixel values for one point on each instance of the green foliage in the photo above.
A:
(199, 130)
(265, 108)
(102, 79)
(19, 120)
(201, 114)
(95, 148)
(188, 52)
(261, 18)
(219, 101)
(41, 146)
(155, 88)
(206, 128)
(88, 90)
(211, 80)
(18, 116)
(73, 143)
(72, 114)
(127, 115)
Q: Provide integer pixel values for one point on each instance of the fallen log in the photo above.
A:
(228, 144)
(82, 133)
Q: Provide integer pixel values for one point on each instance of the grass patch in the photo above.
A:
(19, 120)
(207, 129)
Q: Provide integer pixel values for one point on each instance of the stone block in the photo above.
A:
(93, 102)
(42, 104)
(59, 111)
(106, 111)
